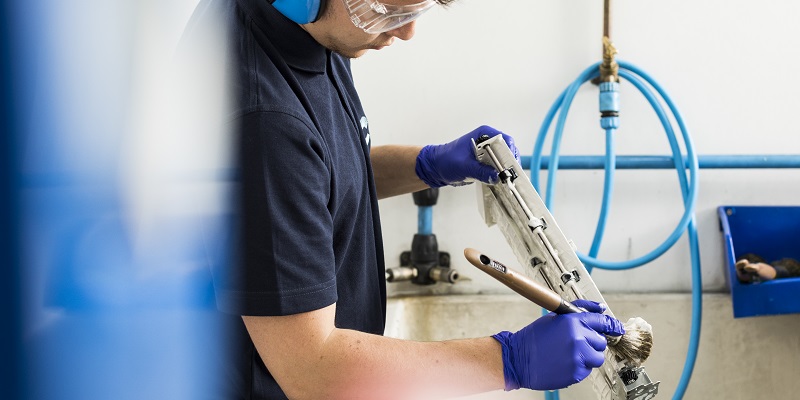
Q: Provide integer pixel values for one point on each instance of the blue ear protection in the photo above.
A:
(300, 11)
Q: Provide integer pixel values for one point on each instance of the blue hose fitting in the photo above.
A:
(609, 105)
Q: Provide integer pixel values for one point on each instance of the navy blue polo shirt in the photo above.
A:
(308, 225)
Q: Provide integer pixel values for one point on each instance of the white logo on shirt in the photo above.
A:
(364, 125)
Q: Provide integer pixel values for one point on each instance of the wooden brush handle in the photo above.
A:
(521, 284)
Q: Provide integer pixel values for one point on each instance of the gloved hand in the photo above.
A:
(556, 351)
(452, 163)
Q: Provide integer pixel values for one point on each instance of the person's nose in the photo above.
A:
(404, 32)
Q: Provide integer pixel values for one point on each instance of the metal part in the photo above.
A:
(638, 385)
(628, 375)
(548, 256)
(399, 274)
(573, 275)
(609, 69)
(508, 174)
(442, 274)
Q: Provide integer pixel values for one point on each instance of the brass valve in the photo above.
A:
(609, 69)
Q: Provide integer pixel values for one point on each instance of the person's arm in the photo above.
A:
(312, 359)
(393, 169)
(405, 169)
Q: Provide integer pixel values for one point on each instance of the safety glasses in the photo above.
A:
(375, 17)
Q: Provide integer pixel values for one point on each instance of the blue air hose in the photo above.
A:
(688, 187)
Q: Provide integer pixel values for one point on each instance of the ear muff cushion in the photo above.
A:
(300, 11)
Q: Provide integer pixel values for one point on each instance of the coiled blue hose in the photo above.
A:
(561, 106)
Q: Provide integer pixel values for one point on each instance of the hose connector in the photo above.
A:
(609, 69)
(609, 105)
(443, 274)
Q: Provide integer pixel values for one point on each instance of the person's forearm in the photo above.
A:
(356, 365)
(393, 168)
(312, 359)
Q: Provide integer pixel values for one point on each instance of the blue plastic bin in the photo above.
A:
(773, 232)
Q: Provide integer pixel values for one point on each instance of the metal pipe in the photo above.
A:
(666, 162)
(399, 274)
(609, 69)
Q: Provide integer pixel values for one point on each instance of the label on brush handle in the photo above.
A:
(494, 264)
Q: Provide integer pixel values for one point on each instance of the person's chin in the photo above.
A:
(376, 47)
(356, 53)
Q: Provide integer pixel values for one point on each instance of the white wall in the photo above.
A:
(730, 66)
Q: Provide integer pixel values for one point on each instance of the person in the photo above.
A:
(307, 287)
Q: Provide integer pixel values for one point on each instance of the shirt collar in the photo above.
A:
(299, 49)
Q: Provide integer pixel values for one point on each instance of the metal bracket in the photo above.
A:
(638, 385)
(566, 277)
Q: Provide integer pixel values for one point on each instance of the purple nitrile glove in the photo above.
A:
(453, 163)
(556, 351)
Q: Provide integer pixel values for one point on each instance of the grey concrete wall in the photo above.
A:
(746, 358)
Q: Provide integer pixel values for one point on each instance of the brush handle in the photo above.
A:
(520, 283)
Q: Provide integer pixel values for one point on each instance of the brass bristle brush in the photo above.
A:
(632, 348)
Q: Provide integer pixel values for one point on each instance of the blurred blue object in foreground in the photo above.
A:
(118, 207)
(11, 373)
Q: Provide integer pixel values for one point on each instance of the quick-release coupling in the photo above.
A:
(609, 105)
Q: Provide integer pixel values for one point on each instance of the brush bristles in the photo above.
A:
(635, 345)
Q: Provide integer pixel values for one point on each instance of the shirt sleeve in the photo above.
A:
(283, 259)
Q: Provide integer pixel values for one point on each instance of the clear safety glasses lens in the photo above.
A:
(376, 17)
